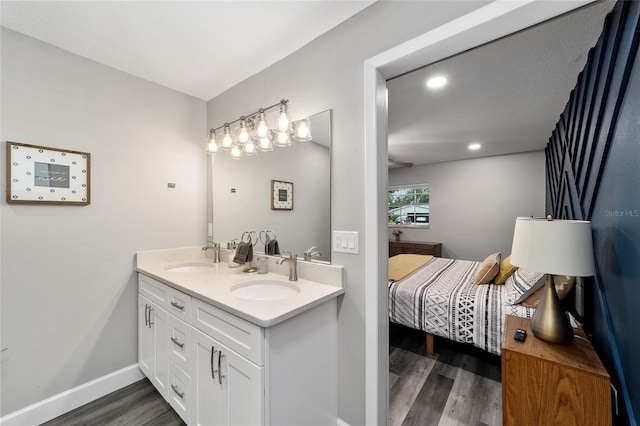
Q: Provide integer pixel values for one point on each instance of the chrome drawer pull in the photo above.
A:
(177, 342)
(220, 376)
(213, 352)
(177, 306)
(175, 389)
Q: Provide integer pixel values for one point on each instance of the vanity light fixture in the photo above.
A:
(474, 146)
(254, 134)
(436, 82)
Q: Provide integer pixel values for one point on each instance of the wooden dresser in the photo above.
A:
(414, 247)
(548, 384)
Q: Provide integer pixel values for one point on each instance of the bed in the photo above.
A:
(441, 297)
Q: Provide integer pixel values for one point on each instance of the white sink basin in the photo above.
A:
(191, 267)
(265, 290)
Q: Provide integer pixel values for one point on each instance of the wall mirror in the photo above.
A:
(243, 194)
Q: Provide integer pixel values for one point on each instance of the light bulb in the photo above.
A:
(249, 148)
(227, 139)
(282, 139)
(282, 121)
(303, 132)
(262, 130)
(264, 144)
(235, 152)
(212, 147)
(243, 133)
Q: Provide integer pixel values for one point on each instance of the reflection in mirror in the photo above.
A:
(243, 199)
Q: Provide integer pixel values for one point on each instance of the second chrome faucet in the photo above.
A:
(292, 260)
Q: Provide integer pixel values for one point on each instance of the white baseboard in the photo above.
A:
(342, 422)
(71, 399)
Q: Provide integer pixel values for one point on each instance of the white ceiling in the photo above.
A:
(201, 48)
(506, 95)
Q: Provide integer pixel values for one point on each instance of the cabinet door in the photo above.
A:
(242, 389)
(206, 390)
(228, 389)
(146, 345)
(153, 343)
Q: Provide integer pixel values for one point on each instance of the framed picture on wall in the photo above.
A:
(43, 175)
(281, 195)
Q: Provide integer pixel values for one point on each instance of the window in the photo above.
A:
(409, 205)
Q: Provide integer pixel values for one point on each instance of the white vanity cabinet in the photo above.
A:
(224, 370)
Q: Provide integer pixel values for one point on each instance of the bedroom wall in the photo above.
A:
(474, 203)
(328, 73)
(592, 174)
(68, 284)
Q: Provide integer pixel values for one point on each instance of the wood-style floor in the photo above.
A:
(138, 404)
(458, 385)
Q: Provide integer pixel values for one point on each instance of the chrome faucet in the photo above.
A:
(216, 251)
(292, 260)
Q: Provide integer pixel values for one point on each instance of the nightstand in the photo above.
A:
(548, 384)
(414, 247)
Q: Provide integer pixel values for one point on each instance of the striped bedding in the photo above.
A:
(442, 298)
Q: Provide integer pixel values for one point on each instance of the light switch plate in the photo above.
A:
(345, 242)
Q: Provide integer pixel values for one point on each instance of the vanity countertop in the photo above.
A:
(213, 285)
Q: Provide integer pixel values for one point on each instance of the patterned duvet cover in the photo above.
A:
(443, 299)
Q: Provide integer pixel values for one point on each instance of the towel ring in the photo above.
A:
(265, 238)
(250, 235)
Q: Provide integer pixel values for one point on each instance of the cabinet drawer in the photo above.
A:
(179, 343)
(179, 392)
(419, 250)
(179, 304)
(153, 290)
(237, 334)
(174, 301)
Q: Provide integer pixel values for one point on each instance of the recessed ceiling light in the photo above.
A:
(474, 146)
(436, 82)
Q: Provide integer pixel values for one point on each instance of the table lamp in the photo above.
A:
(554, 247)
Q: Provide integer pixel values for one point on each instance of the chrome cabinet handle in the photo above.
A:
(177, 306)
(177, 342)
(220, 376)
(146, 313)
(177, 392)
(213, 352)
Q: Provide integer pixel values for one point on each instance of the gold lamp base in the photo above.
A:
(550, 322)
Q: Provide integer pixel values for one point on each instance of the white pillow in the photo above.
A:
(522, 284)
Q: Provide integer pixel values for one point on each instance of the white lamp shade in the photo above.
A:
(558, 247)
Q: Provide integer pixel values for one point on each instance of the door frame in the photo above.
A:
(487, 23)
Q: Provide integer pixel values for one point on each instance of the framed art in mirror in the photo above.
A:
(281, 195)
(44, 175)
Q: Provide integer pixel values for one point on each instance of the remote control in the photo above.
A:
(520, 335)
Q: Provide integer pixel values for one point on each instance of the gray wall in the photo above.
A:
(328, 73)
(474, 203)
(306, 164)
(68, 282)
